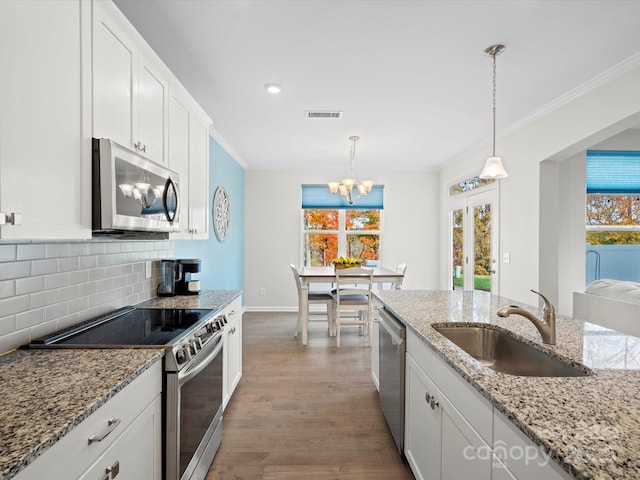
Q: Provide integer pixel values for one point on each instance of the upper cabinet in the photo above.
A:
(130, 91)
(45, 120)
(189, 156)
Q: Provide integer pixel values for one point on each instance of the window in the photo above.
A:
(340, 230)
(613, 197)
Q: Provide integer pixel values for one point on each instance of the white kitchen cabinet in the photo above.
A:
(45, 119)
(375, 343)
(189, 156)
(126, 429)
(130, 90)
(232, 369)
(440, 442)
(135, 454)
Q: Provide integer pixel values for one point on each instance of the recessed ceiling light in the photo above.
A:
(273, 88)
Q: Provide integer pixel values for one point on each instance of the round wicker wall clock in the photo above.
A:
(221, 214)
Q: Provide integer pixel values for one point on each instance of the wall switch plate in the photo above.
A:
(147, 269)
(263, 292)
(506, 258)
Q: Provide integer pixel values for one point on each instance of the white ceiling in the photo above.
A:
(409, 76)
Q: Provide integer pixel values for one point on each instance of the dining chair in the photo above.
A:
(352, 299)
(314, 298)
(399, 268)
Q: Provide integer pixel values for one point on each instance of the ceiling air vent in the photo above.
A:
(322, 114)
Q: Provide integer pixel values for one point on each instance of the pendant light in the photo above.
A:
(349, 188)
(493, 167)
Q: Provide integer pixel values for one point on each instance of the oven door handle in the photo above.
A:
(193, 370)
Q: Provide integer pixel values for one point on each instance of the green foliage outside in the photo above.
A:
(480, 282)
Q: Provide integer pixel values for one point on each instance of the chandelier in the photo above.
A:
(493, 167)
(346, 187)
(140, 191)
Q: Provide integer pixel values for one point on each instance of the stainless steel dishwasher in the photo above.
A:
(392, 349)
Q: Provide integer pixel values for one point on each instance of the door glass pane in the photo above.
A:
(457, 248)
(482, 247)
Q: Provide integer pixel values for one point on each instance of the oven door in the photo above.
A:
(193, 422)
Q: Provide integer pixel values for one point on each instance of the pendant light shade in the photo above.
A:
(493, 167)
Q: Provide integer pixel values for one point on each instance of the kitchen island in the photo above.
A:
(590, 426)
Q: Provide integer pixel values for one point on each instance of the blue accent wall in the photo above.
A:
(222, 263)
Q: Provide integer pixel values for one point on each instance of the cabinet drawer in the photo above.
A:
(73, 454)
(137, 453)
(477, 410)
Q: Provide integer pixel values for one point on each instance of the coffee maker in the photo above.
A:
(170, 273)
(188, 285)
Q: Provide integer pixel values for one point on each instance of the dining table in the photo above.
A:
(308, 275)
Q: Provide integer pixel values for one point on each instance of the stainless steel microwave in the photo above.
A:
(130, 193)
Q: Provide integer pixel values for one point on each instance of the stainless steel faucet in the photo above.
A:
(546, 326)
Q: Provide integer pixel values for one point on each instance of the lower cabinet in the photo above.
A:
(122, 439)
(134, 455)
(439, 442)
(232, 369)
(452, 432)
(375, 344)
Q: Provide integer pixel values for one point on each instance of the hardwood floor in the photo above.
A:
(304, 413)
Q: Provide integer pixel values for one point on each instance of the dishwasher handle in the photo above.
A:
(393, 326)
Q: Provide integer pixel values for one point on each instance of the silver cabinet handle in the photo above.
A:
(10, 218)
(112, 424)
(431, 400)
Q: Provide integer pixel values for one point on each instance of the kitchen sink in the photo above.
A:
(504, 353)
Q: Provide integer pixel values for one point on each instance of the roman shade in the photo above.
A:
(319, 196)
(613, 172)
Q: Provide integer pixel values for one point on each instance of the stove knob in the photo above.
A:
(193, 349)
(181, 356)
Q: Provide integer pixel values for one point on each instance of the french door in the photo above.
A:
(473, 247)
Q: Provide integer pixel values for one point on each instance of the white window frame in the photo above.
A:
(342, 232)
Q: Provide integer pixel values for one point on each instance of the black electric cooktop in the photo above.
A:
(129, 326)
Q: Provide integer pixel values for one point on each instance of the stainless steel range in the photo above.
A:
(192, 384)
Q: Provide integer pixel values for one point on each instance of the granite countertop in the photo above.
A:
(47, 392)
(214, 299)
(589, 425)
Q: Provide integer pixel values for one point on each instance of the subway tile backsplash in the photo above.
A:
(45, 287)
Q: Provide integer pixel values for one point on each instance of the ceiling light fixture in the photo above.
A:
(493, 167)
(345, 188)
(273, 88)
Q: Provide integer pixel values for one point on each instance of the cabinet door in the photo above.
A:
(179, 158)
(464, 453)
(114, 80)
(233, 351)
(137, 454)
(422, 437)
(199, 207)
(45, 119)
(375, 345)
(152, 113)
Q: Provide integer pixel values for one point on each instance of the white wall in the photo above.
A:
(273, 231)
(606, 110)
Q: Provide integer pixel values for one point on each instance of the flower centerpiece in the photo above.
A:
(346, 262)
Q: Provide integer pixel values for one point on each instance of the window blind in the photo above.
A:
(613, 172)
(319, 196)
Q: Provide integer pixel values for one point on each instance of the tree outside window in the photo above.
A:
(611, 219)
(330, 233)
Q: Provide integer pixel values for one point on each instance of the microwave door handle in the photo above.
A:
(166, 196)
